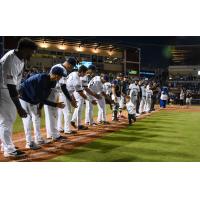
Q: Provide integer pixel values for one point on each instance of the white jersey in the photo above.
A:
(134, 89)
(11, 69)
(143, 89)
(96, 85)
(73, 83)
(84, 81)
(149, 93)
(130, 108)
(107, 88)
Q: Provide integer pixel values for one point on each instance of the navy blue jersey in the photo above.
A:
(37, 88)
(118, 87)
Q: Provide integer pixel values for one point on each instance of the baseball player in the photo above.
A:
(143, 99)
(134, 92)
(80, 97)
(149, 94)
(116, 96)
(51, 113)
(33, 94)
(11, 69)
(96, 85)
(188, 98)
(124, 93)
(107, 86)
(69, 103)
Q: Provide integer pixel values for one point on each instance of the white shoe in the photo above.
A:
(70, 132)
(32, 145)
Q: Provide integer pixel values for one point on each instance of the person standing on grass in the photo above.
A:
(182, 97)
(131, 109)
(116, 96)
(11, 70)
(33, 94)
(188, 98)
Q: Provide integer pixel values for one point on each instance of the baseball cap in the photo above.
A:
(72, 61)
(58, 71)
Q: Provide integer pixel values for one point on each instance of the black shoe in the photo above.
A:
(73, 124)
(60, 139)
(15, 154)
(81, 127)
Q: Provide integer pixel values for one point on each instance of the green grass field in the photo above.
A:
(164, 136)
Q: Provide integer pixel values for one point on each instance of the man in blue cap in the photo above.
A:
(33, 94)
(59, 92)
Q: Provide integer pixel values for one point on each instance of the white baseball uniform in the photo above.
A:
(74, 85)
(143, 100)
(51, 113)
(32, 117)
(107, 88)
(11, 68)
(96, 86)
(149, 94)
(134, 90)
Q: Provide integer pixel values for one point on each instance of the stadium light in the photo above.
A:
(44, 45)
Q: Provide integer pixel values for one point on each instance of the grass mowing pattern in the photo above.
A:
(164, 136)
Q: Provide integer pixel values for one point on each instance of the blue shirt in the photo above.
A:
(37, 88)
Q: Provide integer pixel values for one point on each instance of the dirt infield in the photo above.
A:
(82, 137)
(55, 149)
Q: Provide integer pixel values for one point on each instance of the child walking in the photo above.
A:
(131, 110)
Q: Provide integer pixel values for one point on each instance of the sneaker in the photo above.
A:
(73, 124)
(60, 139)
(81, 127)
(15, 154)
(32, 146)
(70, 132)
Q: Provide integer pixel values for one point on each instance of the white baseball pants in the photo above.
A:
(101, 104)
(8, 114)
(67, 112)
(32, 117)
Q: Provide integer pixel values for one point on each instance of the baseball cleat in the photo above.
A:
(59, 139)
(32, 145)
(81, 127)
(14, 154)
(70, 132)
(43, 141)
